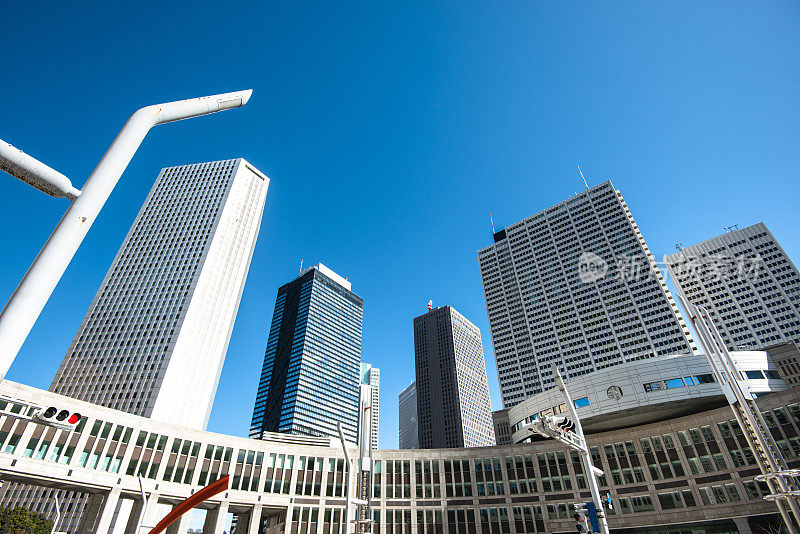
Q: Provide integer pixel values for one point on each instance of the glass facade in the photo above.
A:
(311, 373)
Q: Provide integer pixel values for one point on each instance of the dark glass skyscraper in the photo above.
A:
(311, 373)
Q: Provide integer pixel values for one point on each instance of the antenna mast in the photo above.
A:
(492, 221)
(584, 179)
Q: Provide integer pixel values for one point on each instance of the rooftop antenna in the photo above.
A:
(492, 221)
(430, 305)
(679, 246)
(730, 228)
(584, 179)
(301, 265)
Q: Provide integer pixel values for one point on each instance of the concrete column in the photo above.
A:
(153, 514)
(123, 516)
(150, 515)
(90, 512)
(742, 525)
(133, 518)
(215, 519)
(181, 525)
(99, 513)
(106, 520)
(254, 520)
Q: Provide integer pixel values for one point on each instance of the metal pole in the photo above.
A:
(144, 506)
(587, 459)
(32, 293)
(347, 488)
(58, 516)
(727, 374)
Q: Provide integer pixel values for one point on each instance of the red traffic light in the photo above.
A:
(62, 418)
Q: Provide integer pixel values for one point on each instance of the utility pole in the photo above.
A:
(570, 432)
(775, 472)
(348, 486)
(588, 467)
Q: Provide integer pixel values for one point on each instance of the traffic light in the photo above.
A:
(562, 423)
(58, 417)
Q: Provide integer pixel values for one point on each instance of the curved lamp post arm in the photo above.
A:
(28, 300)
(35, 173)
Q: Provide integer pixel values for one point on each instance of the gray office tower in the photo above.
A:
(407, 420)
(311, 374)
(453, 405)
(747, 283)
(575, 285)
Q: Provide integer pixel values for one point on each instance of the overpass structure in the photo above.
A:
(692, 469)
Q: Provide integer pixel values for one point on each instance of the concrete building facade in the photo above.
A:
(502, 427)
(694, 473)
(453, 406)
(407, 418)
(747, 283)
(575, 285)
(310, 378)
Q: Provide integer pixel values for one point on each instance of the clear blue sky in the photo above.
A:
(390, 131)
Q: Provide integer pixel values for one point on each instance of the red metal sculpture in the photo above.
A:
(209, 491)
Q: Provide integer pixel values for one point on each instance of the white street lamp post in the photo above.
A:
(573, 438)
(348, 487)
(28, 300)
(590, 469)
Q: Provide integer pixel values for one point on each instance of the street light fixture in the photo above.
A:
(32, 293)
(570, 432)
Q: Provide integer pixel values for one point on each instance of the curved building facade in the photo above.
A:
(646, 391)
(694, 471)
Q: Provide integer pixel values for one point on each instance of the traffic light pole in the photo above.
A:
(588, 467)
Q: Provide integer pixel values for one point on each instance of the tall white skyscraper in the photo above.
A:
(371, 383)
(575, 285)
(407, 421)
(747, 283)
(154, 339)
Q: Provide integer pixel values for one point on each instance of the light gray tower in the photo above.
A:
(453, 405)
(407, 420)
(575, 285)
(155, 336)
(371, 382)
(747, 283)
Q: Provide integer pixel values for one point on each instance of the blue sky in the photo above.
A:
(390, 131)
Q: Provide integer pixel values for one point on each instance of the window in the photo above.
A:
(582, 402)
(670, 501)
(642, 504)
